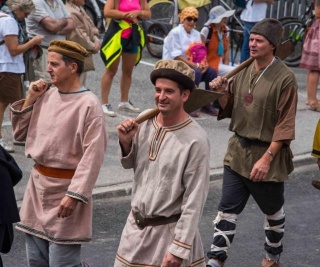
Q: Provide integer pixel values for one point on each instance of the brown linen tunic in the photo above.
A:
(270, 117)
(171, 176)
(62, 130)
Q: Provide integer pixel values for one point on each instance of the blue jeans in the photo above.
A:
(245, 50)
(206, 77)
(42, 253)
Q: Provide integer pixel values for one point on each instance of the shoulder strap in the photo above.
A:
(209, 35)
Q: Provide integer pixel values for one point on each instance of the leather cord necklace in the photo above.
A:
(249, 97)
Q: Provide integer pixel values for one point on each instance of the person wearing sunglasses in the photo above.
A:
(179, 40)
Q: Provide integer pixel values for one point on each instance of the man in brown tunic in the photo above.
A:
(261, 102)
(170, 157)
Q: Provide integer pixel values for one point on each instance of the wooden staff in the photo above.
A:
(200, 97)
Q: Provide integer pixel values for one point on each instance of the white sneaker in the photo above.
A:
(127, 106)
(107, 109)
(6, 146)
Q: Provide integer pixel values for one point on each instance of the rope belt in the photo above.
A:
(161, 220)
(54, 172)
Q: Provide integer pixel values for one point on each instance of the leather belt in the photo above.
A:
(161, 220)
(54, 172)
(246, 142)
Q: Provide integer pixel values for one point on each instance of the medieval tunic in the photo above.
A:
(171, 176)
(270, 117)
(67, 131)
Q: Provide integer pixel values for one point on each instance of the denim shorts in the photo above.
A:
(132, 50)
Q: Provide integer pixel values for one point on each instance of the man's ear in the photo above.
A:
(74, 67)
(185, 95)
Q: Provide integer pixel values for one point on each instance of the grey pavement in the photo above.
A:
(113, 180)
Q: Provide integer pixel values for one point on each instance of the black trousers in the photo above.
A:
(236, 191)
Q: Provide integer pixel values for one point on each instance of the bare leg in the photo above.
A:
(106, 81)
(128, 62)
(312, 85)
(3, 107)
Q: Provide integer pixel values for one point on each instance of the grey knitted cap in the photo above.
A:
(271, 29)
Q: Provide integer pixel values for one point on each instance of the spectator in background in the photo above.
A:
(254, 12)
(52, 20)
(85, 34)
(310, 60)
(177, 43)
(125, 33)
(214, 36)
(12, 46)
(316, 152)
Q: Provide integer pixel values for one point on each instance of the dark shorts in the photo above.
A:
(133, 49)
(236, 191)
(10, 87)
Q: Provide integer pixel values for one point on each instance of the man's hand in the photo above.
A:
(67, 206)
(170, 260)
(35, 90)
(126, 131)
(261, 168)
(219, 84)
(96, 48)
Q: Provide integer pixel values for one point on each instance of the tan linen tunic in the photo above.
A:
(171, 176)
(61, 131)
(270, 117)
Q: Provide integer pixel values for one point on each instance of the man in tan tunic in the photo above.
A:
(261, 102)
(170, 157)
(65, 135)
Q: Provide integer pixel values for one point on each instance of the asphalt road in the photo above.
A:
(301, 240)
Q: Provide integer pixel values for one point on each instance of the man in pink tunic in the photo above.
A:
(64, 129)
(170, 157)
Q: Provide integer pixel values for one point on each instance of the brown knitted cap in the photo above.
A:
(175, 70)
(271, 29)
(69, 49)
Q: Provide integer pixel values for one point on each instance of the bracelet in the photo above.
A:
(198, 65)
(270, 153)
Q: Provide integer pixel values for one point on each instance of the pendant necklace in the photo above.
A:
(248, 98)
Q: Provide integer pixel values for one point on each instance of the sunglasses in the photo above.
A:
(192, 19)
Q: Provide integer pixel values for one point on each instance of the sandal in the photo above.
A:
(315, 107)
(308, 101)
(270, 263)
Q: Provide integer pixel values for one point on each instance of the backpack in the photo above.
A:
(197, 52)
(240, 3)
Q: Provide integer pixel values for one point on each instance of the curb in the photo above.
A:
(125, 189)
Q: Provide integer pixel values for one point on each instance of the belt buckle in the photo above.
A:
(140, 221)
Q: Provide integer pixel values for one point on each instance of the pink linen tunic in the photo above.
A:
(171, 176)
(62, 130)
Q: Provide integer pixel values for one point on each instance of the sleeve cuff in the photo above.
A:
(179, 249)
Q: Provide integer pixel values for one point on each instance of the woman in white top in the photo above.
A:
(11, 56)
(176, 45)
